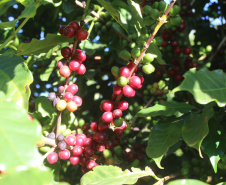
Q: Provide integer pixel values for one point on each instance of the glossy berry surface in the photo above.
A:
(66, 52)
(64, 154)
(77, 150)
(74, 160)
(82, 35)
(71, 106)
(73, 88)
(128, 91)
(52, 158)
(107, 117)
(81, 70)
(74, 65)
(77, 100)
(65, 71)
(61, 105)
(70, 140)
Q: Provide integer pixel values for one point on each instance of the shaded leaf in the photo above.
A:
(10, 24)
(15, 79)
(165, 109)
(196, 128)
(214, 143)
(112, 175)
(36, 46)
(155, 50)
(205, 85)
(18, 137)
(55, 169)
(91, 48)
(164, 134)
(48, 71)
(30, 10)
(187, 182)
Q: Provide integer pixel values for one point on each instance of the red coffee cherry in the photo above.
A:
(83, 160)
(181, 27)
(100, 147)
(124, 125)
(80, 141)
(61, 30)
(171, 72)
(69, 31)
(91, 164)
(52, 158)
(124, 71)
(177, 50)
(107, 117)
(74, 24)
(68, 96)
(66, 52)
(135, 82)
(77, 150)
(77, 100)
(74, 65)
(118, 132)
(73, 88)
(79, 55)
(94, 126)
(81, 70)
(74, 160)
(187, 51)
(70, 140)
(174, 43)
(65, 71)
(88, 142)
(117, 90)
(123, 105)
(108, 105)
(64, 154)
(128, 91)
(82, 35)
(179, 77)
(102, 127)
(117, 113)
(101, 137)
(88, 152)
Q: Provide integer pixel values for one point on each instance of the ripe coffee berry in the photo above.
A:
(124, 71)
(135, 82)
(74, 160)
(64, 154)
(117, 113)
(74, 24)
(80, 141)
(117, 90)
(118, 132)
(69, 31)
(81, 70)
(77, 100)
(102, 127)
(52, 158)
(100, 147)
(187, 51)
(88, 152)
(107, 117)
(88, 142)
(128, 91)
(108, 105)
(65, 71)
(123, 105)
(61, 30)
(62, 145)
(177, 50)
(73, 88)
(91, 164)
(68, 96)
(74, 65)
(77, 150)
(124, 125)
(94, 126)
(66, 52)
(70, 140)
(82, 35)
(79, 55)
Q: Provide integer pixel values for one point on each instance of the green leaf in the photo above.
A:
(91, 48)
(205, 85)
(5, 5)
(45, 2)
(15, 79)
(137, 20)
(48, 71)
(36, 46)
(187, 182)
(112, 175)
(119, 16)
(24, 2)
(155, 50)
(214, 143)
(18, 137)
(196, 128)
(44, 106)
(165, 109)
(158, 162)
(10, 24)
(55, 169)
(29, 11)
(165, 134)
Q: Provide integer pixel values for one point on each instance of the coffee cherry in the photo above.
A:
(107, 154)
(118, 122)
(115, 71)
(61, 89)
(107, 117)
(70, 140)
(79, 55)
(66, 52)
(88, 152)
(117, 113)
(94, 126)
(171, 73)
(80, 141)
(187, 51)
(102, 127)
(56, 101)
(148, 58)
(61, 30)
(88, 142)
(81, 70)
(91, 164)
(108, 105)
(117, 90)
(148, 69)
(68, 96)
(77, 150)
(30, 117)
(61, 105)
(122, 81)
(101, 137)
(83, 160)
(65, 71)
(69, 31)
(147, 9)
(52, 158)
(128, 91)
(124, 71)
(74, 24)
(155, 14)
(74, 160)
(100, 147)
(82, 35)
(118, 132)
(74, 65)
(51, 135)
(135, 82)
(125, 55)
(52, 96)
(61, 63)
(64, 154)
(179, 77)
(123, 105)
(71, 106)
(77, 100)
(181, 27)
(174, 10)
(123, 126)
(62, 145)
(177, 50)
(60, 137)
(174, 43)
(135, 52)
(109, 161)
(73, 88)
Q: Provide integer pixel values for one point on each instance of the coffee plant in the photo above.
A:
(112, 92)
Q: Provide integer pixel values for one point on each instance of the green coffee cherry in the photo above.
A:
(148, 57)
(148, 21)
(155, 14)
(174, 10)
(162, 6)
(135, 52)
(148, 69)
(122, 81)
(125, 55)
(147, 9)
(115, 71)
(176, 21)
(107, 154)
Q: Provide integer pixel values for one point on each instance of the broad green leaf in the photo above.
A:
(118, 16)
(187, 182)
(164, 134)
(155, 50)
(112, 175)
(18, 137)
(91, 48)
(36, 46)
(15, 79)
(44, 106)
(48, 71)
(136, 20)
(24, 2)
(68, 117)
(10, 24)
(5, 5)
(158, 162)
(196, 128)
(205, 85)
(214, 143)
(30, 10)
(165, 109)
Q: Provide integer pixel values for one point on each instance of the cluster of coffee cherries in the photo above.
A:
(66, 98)
(73, 29)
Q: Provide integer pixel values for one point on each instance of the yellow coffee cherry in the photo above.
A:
(61, 105)
(71, 106)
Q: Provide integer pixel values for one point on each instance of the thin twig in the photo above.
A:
(48, 141)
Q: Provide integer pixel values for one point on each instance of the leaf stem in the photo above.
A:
(14, 33)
